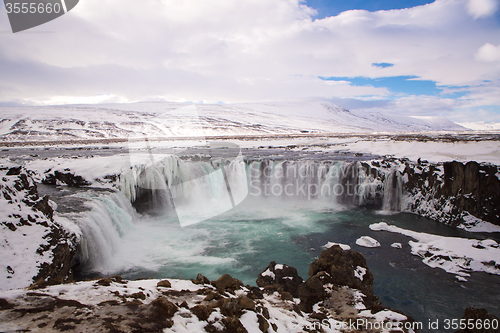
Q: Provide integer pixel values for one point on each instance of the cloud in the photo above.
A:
(482, 8)
(488, 52)
(247, 50)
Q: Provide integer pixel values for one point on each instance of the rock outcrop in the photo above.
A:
(64, 178)
(282, 276)
(341, 268)
(35, 248)
(333, 270)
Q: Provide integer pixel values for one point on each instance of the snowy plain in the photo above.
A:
(308, 126)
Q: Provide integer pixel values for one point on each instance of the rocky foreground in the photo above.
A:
(337, 297)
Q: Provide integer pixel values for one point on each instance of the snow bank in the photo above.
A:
(138, 120)
(453, 254)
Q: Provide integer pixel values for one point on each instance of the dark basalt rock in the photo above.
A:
(475, 188)
(164, 307)
(202, 311)
(14, 171)
(108, 280)
(286, 277)
(470, 187)
(233, 325)
(230, 307)
(338, 267)
(200, 279)
(311, 292)
(164, 284)
(67, 178)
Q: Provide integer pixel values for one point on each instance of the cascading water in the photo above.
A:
(103, 227)
(343, 182)
(192, 192)
(393, 192)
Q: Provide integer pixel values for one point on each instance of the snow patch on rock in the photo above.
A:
(360, 272)
(269, 273)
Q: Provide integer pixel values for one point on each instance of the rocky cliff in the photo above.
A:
(455, 193)
(34, 247)
(464, 195)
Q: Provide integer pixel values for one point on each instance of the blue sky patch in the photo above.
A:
(328, 8)
(382, 64)
(406, 85)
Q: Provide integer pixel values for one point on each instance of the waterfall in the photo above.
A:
(299, 180)
(393, 191)
(199, 190)
(339, 182)
(195, 191)
(172, 189)
(109, 219)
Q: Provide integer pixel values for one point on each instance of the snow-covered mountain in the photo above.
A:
(163, 119)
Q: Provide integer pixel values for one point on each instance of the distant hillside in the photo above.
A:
(162, 119)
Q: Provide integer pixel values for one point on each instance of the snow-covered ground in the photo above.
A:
(151, 120)
(310, 126)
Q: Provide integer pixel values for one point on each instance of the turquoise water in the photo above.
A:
(402, 281)
(243, 241)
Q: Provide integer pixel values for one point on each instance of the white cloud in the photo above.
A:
(488, 52)
(482, 8)
(247, 50)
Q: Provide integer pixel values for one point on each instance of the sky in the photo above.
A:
(414, 57)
